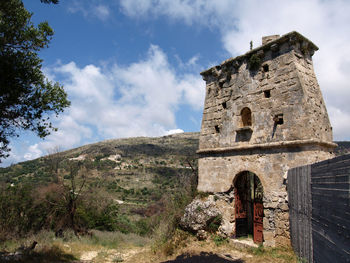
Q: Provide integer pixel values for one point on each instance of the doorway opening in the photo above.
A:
(249, 209)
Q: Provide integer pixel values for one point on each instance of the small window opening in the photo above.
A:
(246, 116)
(228, 78)
(217, 128)
(267, 93)
(209, 90)
(266, 68)
(224, 105)
(244, 135)
(278, 119)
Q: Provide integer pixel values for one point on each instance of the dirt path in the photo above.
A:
(204, 257)
(193, 252)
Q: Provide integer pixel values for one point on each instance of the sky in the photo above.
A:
(131, 67)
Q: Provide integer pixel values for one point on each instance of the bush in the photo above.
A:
(144, 227)
(18, 212)
(124, 225)
(214, 224)
(178, 240)
(219, 240)
(254, 62)
(24, 209)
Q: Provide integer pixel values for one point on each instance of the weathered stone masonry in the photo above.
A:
(263, 113)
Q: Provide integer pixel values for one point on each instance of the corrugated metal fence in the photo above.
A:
(319, 203)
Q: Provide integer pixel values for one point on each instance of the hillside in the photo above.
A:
(120, 185)
(121, 155)
(123, 166)
(133, 186)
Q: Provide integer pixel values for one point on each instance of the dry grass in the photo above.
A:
(272, 255)
(102, 246)
(187, 247)
(118, 247)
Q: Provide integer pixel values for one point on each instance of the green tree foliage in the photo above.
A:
(26, 96)
(25, 209)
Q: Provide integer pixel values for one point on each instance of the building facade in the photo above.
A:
(263, 114)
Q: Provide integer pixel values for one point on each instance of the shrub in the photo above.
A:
(254, 62)
(219, 240)
(214, 224)
(178, 240)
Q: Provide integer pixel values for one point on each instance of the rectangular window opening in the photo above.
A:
(267, 93)
(278, 119)
(266, 68)
(243, 135)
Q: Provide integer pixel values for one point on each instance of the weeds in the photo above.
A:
(302, 260)
(254, 62)
(285, 254)
(117, 259)
(214, 224)
(203, 195)
(258, 251)
(219, 240)
(177, 241)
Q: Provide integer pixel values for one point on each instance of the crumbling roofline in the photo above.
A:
(287, 37)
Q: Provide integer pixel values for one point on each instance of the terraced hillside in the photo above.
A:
(124, 184)
(134, 177)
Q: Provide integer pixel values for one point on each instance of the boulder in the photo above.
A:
(199, 213)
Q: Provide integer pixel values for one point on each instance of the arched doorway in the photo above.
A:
(249, 210)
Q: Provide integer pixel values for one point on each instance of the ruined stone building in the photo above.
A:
(263, 114)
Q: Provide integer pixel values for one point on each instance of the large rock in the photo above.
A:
(199, 214)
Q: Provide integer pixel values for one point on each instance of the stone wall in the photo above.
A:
(284, 84)
(263, 113)
(218, 171)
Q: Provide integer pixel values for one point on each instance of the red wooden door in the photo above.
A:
(241, 212)
(258, 222)
(240, 206)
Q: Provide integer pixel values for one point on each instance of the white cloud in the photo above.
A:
(327, 26)
(89, 9)
(33, 152)
(102, 12)
(175, 131)
(189, 12)
(340, 120)
(325, 22)
(140, 99)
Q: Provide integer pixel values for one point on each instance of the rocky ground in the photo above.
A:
(198, 251)
(189, 250)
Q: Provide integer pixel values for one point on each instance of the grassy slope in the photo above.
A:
(145, 170)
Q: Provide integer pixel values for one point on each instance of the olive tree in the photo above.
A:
(27, 97)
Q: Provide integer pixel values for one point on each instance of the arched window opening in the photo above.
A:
(246, 116)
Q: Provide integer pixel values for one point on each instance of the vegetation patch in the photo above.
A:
(254, 62)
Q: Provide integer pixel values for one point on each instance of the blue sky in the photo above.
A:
(131, 67)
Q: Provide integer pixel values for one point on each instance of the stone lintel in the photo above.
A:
(291, 36)
(285, 144)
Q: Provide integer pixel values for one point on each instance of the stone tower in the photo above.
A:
(263, 114)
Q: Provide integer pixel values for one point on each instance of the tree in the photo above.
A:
(27, 97)
(53, 160)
